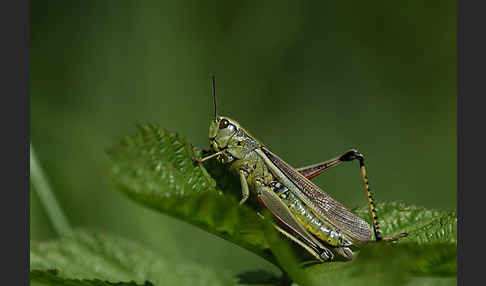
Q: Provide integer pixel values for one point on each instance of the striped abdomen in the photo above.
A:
(307, 218)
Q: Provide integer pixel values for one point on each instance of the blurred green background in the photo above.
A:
(310, 80)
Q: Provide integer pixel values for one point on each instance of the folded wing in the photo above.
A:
(324, 206)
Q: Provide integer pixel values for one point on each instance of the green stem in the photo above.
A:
(46, 196)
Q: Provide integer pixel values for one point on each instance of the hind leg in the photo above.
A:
(314, 170)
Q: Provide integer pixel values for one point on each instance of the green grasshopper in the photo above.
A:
(310, 217)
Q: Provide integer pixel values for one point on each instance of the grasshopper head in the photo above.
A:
(221, 132)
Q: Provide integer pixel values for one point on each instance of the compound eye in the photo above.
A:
(223, 124)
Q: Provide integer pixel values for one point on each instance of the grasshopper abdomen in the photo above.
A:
(304, 214)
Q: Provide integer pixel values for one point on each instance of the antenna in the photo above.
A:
(213, 86)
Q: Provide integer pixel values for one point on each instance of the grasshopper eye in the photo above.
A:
(223, 124)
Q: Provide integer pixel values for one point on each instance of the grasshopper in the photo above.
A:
(306, 214)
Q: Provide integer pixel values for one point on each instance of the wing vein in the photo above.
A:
(324, 206)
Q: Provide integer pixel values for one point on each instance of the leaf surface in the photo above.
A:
(85, 258)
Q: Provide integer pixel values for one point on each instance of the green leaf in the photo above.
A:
(431, 240)
(423, 225)
(257, 277)
(49, 277)
(84, 258)
(155, 169)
